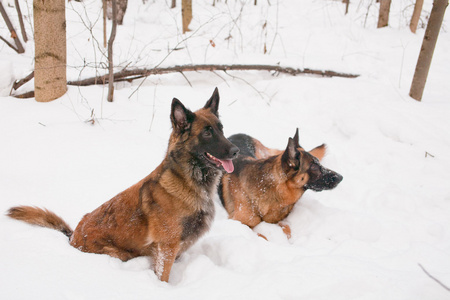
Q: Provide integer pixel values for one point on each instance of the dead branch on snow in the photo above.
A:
(129, 75)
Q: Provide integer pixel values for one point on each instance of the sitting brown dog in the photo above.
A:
(166, 212)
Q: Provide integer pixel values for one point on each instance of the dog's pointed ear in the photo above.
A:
(213, 102)
(296, 139)
(319, 151)
(291, 157)
(180, 116)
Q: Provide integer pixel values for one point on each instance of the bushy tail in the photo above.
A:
(40, 217)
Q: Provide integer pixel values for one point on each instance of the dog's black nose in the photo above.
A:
(234, 151)
(335, 179)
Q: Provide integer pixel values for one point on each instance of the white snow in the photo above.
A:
(363, 240)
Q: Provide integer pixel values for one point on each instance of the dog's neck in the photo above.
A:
(199, 178)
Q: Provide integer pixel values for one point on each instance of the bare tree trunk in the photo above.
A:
(110, 52)
(22, 27)
(186, 12)
(50, 49)
(383, 17)
(104, 22)
(427, 50)
(121, 9)
(416, 15)
(174, 4)
(347, 4)
(19, 48)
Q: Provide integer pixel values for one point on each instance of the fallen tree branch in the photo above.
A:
(25, 95)
(18, 83)
(128, 75)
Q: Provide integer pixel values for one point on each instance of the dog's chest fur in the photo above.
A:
(193, 197)
(198, 223)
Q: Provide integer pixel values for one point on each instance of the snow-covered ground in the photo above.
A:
(363, 240)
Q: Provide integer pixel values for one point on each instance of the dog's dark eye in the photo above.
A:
(314, 168)
(207, 132)
(314, 172)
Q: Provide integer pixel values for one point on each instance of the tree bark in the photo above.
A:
(186, 13)
(416, 15)
(121, 6)
(110, 52)
(19, 46)
(104, 23)
(427, 49)
(383, 17)
(50, 49)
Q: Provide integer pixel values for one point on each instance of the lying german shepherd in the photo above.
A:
(167, 211)
(266, 183)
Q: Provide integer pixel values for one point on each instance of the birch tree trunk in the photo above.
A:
(50, 49)
(383, 17)
(416, 15)
(427, 50)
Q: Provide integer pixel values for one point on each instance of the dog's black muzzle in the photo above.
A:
(329, 180)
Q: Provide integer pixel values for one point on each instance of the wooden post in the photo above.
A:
(50, 49)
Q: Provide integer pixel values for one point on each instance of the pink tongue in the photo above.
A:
(227, 164)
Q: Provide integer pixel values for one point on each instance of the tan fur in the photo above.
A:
(40, 217)
(262, 194)
(262, 188)
(164, 213)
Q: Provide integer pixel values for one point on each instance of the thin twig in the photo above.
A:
(186, 78)
(249, 84)
(170, 52)
(435, 279)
